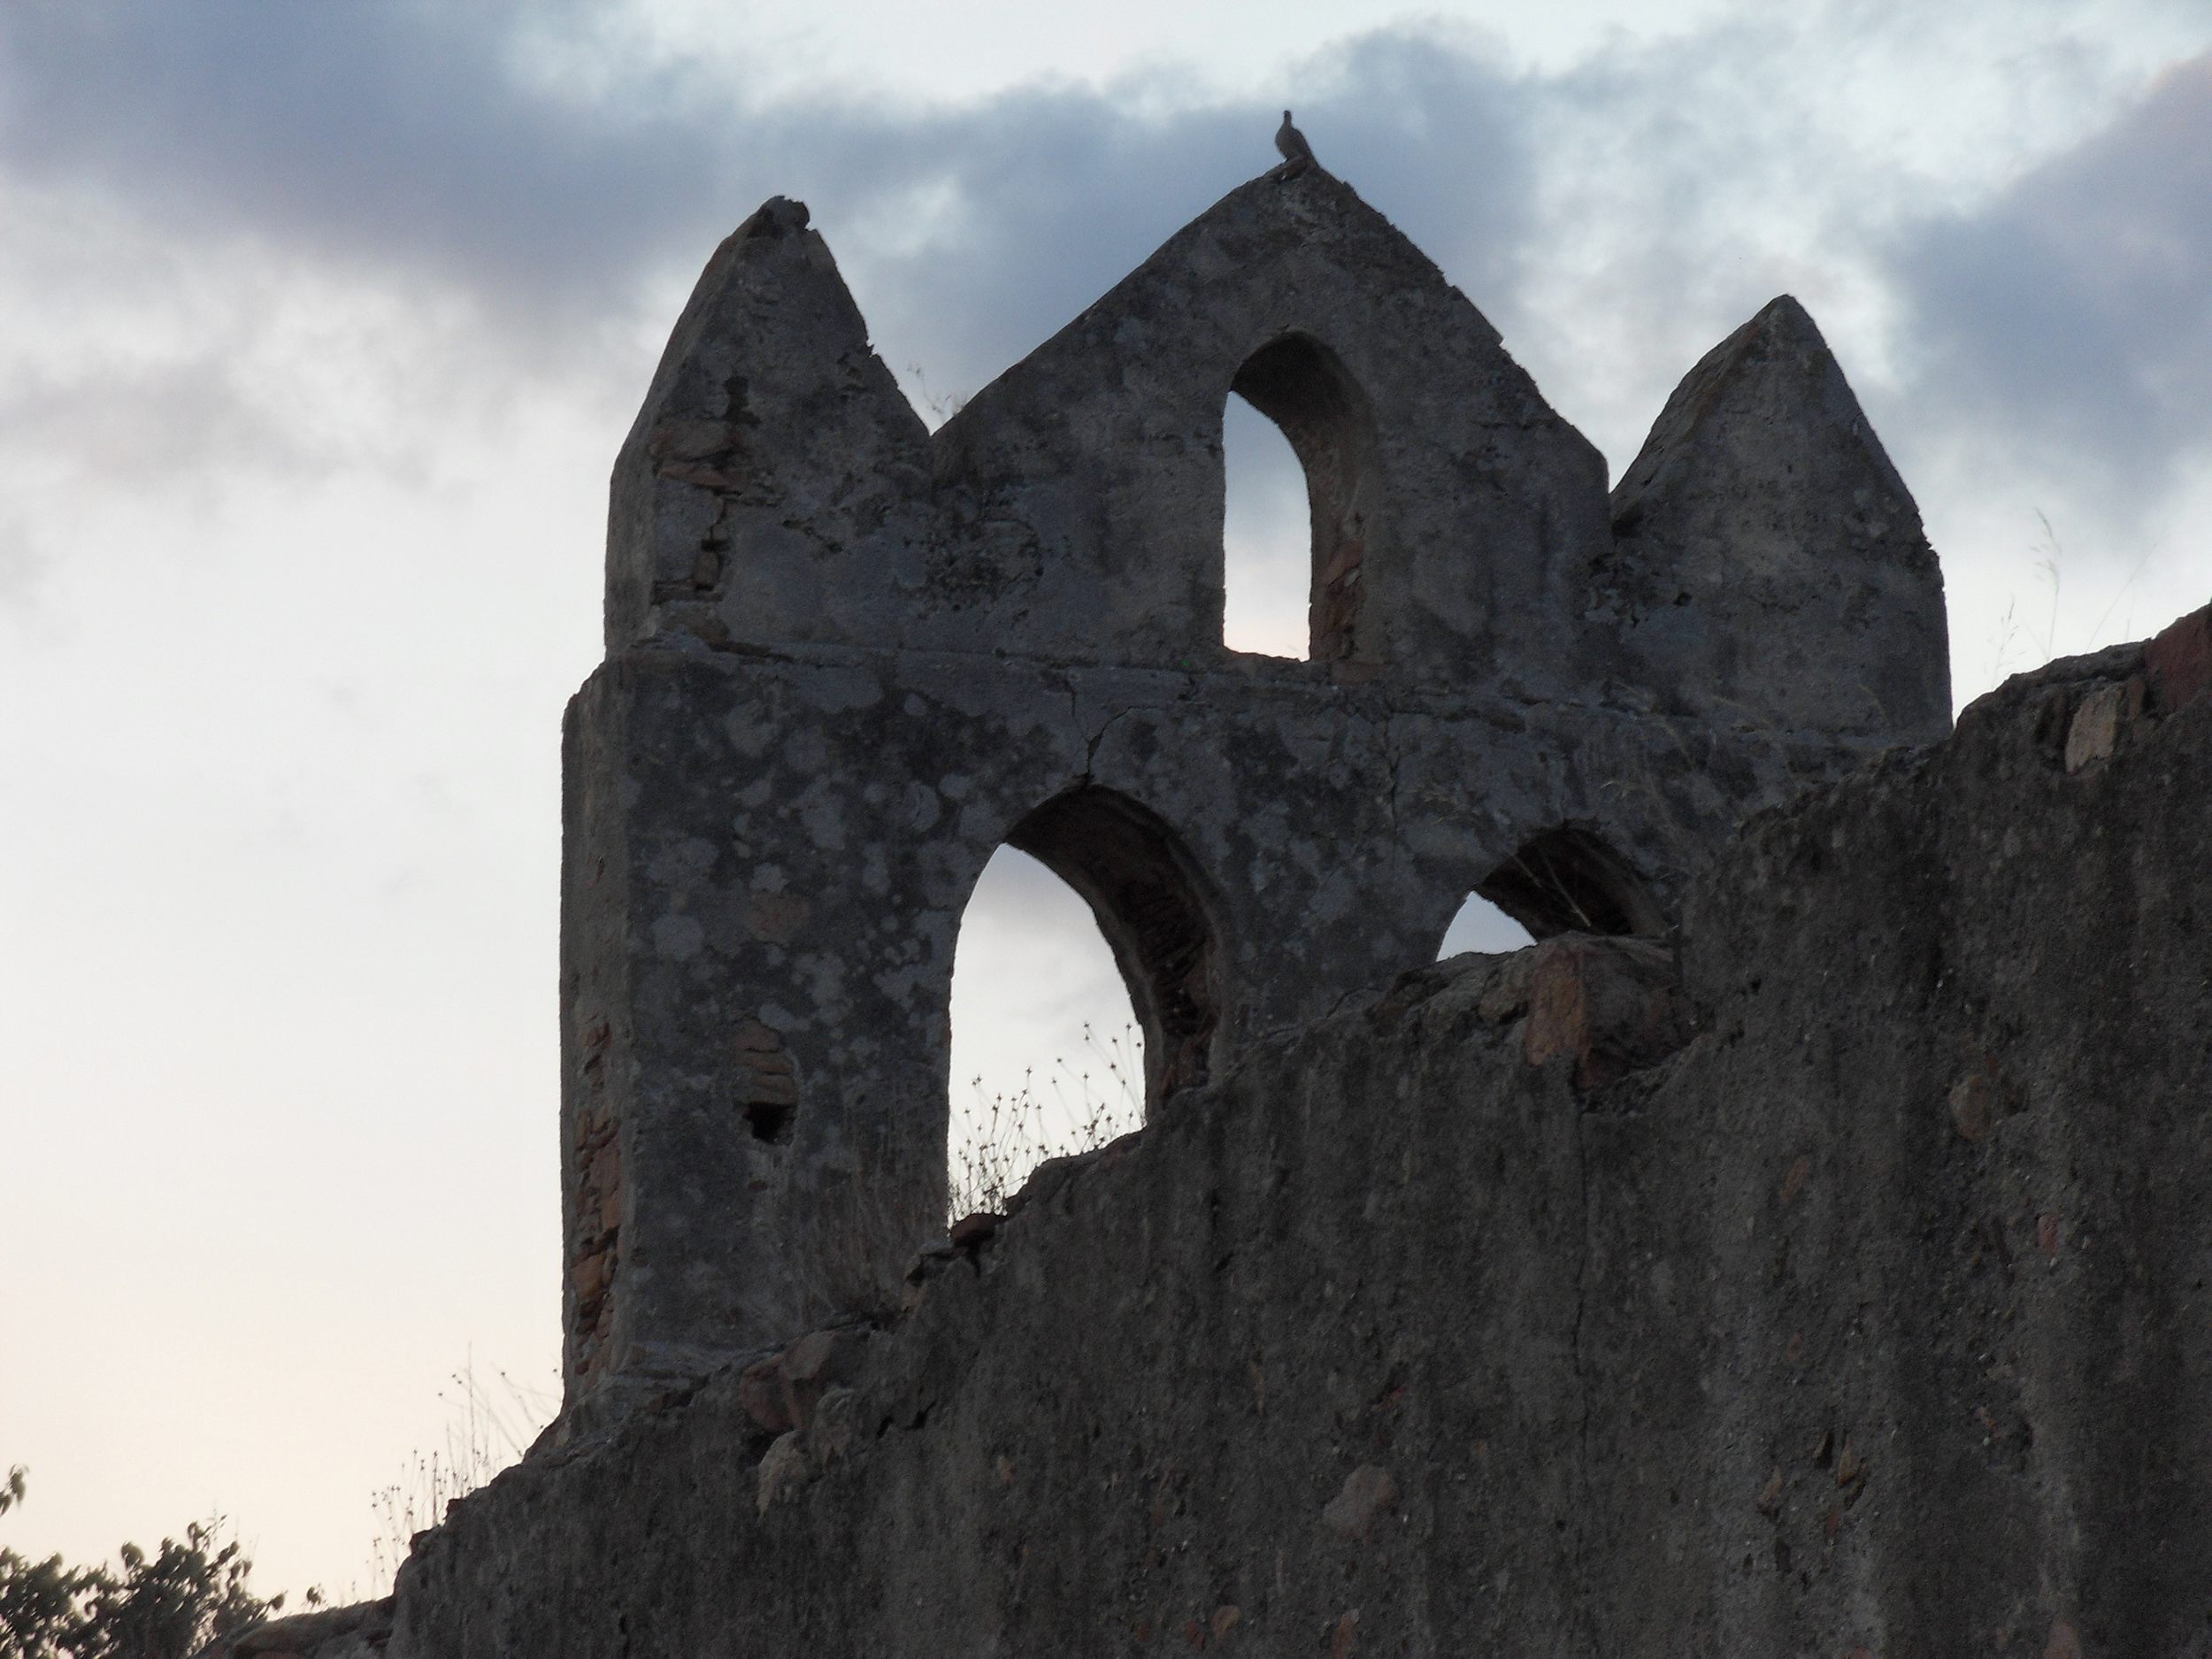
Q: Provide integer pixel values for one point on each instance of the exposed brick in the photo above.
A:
(1609, 1003)
(2179, 661)
(754, 1037)
(764, 1088)
(760, 1391)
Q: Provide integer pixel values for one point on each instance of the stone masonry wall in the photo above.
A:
(1834, 1284)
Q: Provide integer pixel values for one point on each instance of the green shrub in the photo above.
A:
(167, 1606)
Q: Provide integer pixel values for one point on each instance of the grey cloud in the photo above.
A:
(1061, 193)
(405, 133)
(2071, 313)
(370, 131)
(2072, 316)
(168, 423)
(22, 565)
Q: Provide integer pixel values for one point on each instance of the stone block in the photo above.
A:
(783, 1471)
(766, 1088)
(761, 1392)
(815, 1363)
(755, 1037)
(2094, 732)
(970, 1231)
(1368, 1491)
(1610, 1003)
(834, 1426)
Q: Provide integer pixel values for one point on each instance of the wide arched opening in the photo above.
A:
(1145, 893)
(1047, 1057)
(1325, 418)
(1088, 938)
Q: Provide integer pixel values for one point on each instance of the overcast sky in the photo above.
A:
(319, 327)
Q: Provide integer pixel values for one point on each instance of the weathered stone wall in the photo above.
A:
(771, 919)
(1871, 1318)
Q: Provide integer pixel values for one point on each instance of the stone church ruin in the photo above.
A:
(1801, 1250)
(846, 659)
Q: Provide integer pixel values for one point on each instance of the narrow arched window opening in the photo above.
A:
(1305, 390)
(1568, 880)
(1266, 542)
(1047, 1057)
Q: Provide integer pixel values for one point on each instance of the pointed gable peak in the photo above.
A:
(1768, 556)
(767, 405)
(1307, 204)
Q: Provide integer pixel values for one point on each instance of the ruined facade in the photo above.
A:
(1871, 1320)
(1803, 1249)
(848, 659)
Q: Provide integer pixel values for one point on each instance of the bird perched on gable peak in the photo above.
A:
(1297, 154)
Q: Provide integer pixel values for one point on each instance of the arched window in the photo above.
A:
(1304, 389)
(1568, 880)
(1144, 897)
(1145, 891)
(1046, 1055)
(1266, 552)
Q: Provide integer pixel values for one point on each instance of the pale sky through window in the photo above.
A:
(319, 328)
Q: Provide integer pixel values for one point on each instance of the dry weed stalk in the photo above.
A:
(487, 1431)
(1080, 1108)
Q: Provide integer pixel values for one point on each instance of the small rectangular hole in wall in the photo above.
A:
(770, 1121)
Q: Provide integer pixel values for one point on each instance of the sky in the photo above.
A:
(319, 328)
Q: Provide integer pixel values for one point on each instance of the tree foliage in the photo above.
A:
(164, 1606)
